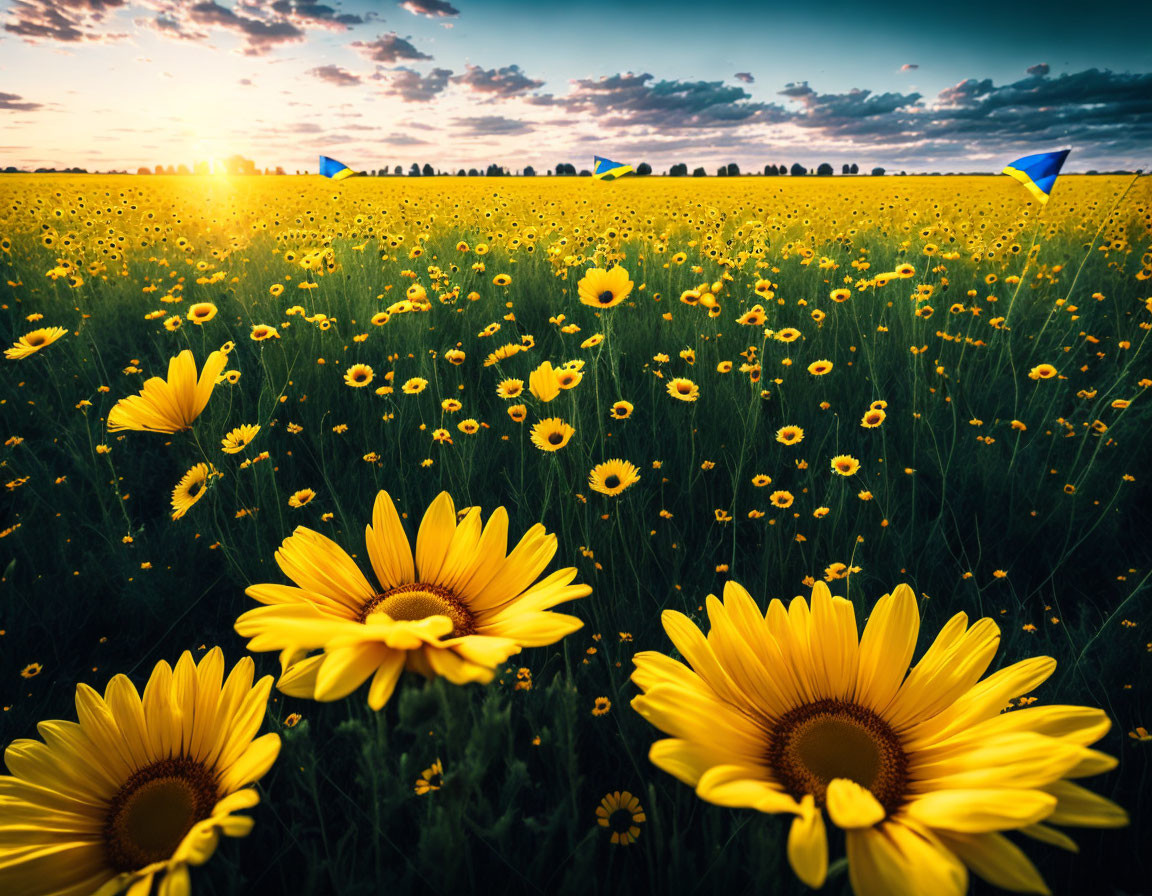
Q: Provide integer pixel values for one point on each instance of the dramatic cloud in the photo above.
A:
(412, 87)
(388, 49)
(430, 8)
(796, 89)
(14, 102)
(486, 125)
(67, 21)
(260, 36)
(333, 74)
(909, 67)
(313, 12)
(630, 100)
(746, 77)
(1097, 112)
(262, 24)
(497, 82)
(1039, 70)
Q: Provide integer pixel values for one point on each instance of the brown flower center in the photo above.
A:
(555, 438)
(814, 743)
(419, 601)
(155, 809)
(605, 297)
(611, 481)
(37, 339)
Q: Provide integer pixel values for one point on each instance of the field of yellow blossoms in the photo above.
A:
(556, 536)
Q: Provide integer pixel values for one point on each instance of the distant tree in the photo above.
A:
(722, 171)
(398, 170)
(584, 172)
(845, 168)
(202, 167)
(643, 169)
(143, 169)
(529, 171)
(855, 169)
(472, 172)
(699, 172)
(495, 170)
(903, 173)
(771, 171)
(877, 172)
(183, 169)
(825, 170)
(461, 173)
(427, 170)
(159, 169)
(678, 170)
(798, 170)
(733, 169)
(414, 171)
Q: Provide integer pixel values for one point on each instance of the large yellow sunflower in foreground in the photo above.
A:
(169, 405)
(791, 712)
(139, 789)
(458, 608)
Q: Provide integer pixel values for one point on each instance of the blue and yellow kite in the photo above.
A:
(606, 169)
(333, 169)
(1038, 172)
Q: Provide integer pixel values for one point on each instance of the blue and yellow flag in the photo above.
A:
(607, 169)
(1038, 172)
(333, 169)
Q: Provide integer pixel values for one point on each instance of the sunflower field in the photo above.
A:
(741, 535)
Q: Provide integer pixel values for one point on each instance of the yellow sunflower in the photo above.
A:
(845, 465)
(358, 376)
(551, 434)
(613, 476)
(190, 489)
(621, 410)
(604, 289)
(169, 405)
(239, 438)
(510, 388)
(201, 312)
(139, 789)
(622, 813)
(792, 712)
(458, 608)
(683, 389)
(30, 343)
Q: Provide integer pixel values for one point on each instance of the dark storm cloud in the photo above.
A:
(333, 74)
(1041, 68)
(746, 77)
(67, 21)
(486, 125)
(412, 87)
(829, 108)
(630, 100)
(1097, 112)
(388, 49)
(259, 36)
(497, 82)
(430, 8)
(15, 103)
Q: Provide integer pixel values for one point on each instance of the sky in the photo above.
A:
(118, 84)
